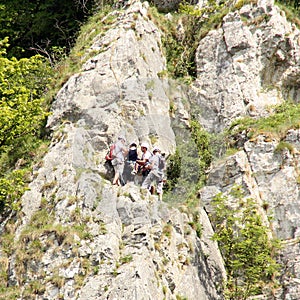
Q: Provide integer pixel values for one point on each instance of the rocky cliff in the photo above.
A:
(79, 237)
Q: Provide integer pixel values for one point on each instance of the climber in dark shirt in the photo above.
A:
(131, 160)
(132, 153)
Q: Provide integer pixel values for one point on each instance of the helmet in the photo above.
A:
(145, 145)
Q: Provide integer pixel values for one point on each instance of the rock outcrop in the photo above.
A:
(99, 241)
(247, 65)
(269, 177)
(120, 89)
(79, 237)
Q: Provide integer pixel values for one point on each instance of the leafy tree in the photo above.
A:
(248, 252)
(22, 83)
(173, 170)
(186, 167)
(22, 115)
(12, 187)
(41, 24)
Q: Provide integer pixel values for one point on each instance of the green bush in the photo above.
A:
(248, 252)
(12, 187)
(283, 118)
(202, 140)
(22, 117)
(173, 170)
(186, 168)
(22, 84)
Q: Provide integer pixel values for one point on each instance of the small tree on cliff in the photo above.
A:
(248, 252)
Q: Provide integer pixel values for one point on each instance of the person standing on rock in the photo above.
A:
(141, 163)
(156, 167)
(130, 162)
(120, 152)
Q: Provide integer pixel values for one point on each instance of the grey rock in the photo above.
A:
(109, 242)
(270, 178)
(242, 68)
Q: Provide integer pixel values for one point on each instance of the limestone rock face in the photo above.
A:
(81, 238)
(99, 241)
(120, 89)
(156, 243)
(250, 63)
(270, 178)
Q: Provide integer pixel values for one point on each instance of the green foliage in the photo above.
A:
(291, 9)
(13, 182)
(167, 230)
(22, 115)
(248, 253)
(186, 167)
(126, 259)
(12, 187)
(176, 53)
(290, 3)
(283, 146)
(41, 25)
(182, 170)
(22, 83)
(9, 293)
(202, 141)
(195, 224)
(173, 170)
(285, 117)
(240, 3)
(34, 287)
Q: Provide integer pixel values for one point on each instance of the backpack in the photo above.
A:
(161, 163)
(110, 155)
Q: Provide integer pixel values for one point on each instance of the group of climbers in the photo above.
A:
(150, 166)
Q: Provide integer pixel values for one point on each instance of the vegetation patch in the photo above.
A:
(186, 168)
(35, 240)
(248, 252)
(196, 225)
(183, 31)
(291, 9)
(167, 230)
(126, 259)
(285, 117)
(282, 146)
(22, 116)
